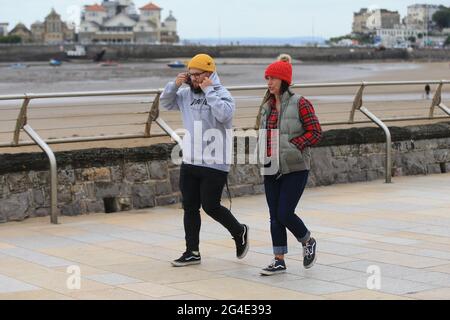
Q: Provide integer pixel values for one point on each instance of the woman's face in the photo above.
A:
(274, 85)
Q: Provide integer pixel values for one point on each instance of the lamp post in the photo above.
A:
(426, 31)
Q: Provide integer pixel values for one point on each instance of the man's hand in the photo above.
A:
(206, 83)
(181, 78)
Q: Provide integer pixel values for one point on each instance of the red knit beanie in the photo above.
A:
(282, 69)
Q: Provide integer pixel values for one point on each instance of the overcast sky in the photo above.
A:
(227, 18)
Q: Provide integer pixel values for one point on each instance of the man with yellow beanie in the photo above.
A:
(207, 109)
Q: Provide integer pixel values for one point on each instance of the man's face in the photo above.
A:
(197, 76)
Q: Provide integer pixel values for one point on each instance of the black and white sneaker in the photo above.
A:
(276, 267)
(309, 253)
(242, 244)
(187, 259)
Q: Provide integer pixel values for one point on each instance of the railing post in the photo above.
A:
(379, 123)
(437, 99)
(53, 172)
(444, 108)
(357, 103)
(167, 129)
(152, 116)
(21, 120)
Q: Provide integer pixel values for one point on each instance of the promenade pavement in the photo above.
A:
(375, 241)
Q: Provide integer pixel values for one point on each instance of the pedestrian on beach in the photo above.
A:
(292, 127)
(427, 91)
(205, 106)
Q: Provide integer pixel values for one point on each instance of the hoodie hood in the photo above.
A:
(215, 80)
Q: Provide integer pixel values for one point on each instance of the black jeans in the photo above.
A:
(282, 196)
(203, 187)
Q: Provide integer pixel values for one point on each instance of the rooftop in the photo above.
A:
(95, 8)
(150, 7)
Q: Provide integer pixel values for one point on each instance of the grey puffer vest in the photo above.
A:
(290, 126)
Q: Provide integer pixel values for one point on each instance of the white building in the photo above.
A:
(3, 29)
(382, 19)
(118, 22)
(399, 36)
(420, 16)
(169, 30)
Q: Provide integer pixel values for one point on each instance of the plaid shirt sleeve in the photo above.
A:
(311, 125)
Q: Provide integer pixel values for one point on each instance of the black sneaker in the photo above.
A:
(242, 244)
(276, 267)
(309, 253)
(187, 259)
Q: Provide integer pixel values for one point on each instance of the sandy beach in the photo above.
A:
(68, 118)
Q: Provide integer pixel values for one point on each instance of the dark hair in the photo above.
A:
(284, 87)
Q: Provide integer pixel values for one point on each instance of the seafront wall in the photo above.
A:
(112, 180)
(16, 53)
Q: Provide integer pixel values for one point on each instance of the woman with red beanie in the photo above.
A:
(291, 128)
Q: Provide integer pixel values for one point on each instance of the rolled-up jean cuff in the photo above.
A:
(305, 238)
(280, 250)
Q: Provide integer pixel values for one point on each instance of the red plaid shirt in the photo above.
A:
(310, 124)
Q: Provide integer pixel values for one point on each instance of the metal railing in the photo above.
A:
(153, 116)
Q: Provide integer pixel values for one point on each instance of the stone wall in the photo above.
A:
(14, 53)
(111, 180)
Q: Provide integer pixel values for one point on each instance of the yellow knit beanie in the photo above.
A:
(202, 62)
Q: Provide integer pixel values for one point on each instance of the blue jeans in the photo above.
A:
(282, 196)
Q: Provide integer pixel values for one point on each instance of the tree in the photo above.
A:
(442, 18)
(412, 39)
(10, 39)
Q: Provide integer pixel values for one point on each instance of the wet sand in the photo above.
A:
(40, 77)
(113, 115)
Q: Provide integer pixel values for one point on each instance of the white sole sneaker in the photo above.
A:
(272, 273)
(313, 263)
(247, 247)
(185, 264)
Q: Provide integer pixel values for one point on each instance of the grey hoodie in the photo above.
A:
(212, 109)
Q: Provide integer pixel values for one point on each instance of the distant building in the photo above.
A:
(3, 28)
(169, 30)
(382, 19)
(366, 21)
(118, 22)
(399, 36)
(52, 31)
(360, 21)
(148, 28)
(420, 16)
(22, 31)
(38, 32)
